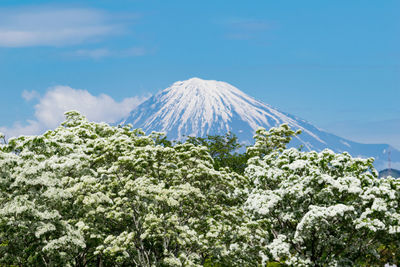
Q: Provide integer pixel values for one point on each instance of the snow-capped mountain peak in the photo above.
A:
(199, 107)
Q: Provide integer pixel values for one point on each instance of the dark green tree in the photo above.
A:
(224, 149)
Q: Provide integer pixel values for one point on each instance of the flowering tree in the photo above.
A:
(320, 209)
(92, 194)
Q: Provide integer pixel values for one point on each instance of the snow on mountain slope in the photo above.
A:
(199, 107)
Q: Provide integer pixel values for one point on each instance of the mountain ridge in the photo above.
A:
(199, 107)
(389, 172)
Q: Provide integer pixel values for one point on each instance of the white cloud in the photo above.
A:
(50, 109)
(31, 128)
(104, 52)
(51, 26)
(30, 95)
(92, 53)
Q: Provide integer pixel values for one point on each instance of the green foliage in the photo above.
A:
(274, 264)
(2, 138)
(224, 151)
(210, 263)
(224, 148)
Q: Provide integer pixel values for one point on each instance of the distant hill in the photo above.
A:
(392, 172)
(199, 107)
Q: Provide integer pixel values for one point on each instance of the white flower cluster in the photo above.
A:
(91, 194)
(320, 209)
(112, 194)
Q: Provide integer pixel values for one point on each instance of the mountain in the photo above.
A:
(389, 172)
(199, 107)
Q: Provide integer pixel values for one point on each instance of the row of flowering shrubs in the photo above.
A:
(91, 194)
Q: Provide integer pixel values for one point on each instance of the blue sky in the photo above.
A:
(333, 63)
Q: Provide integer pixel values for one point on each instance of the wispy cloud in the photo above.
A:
(92, 53)
(54, 26)
(49, 111)
(30, 95)
(99, 53)
(246, 29)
